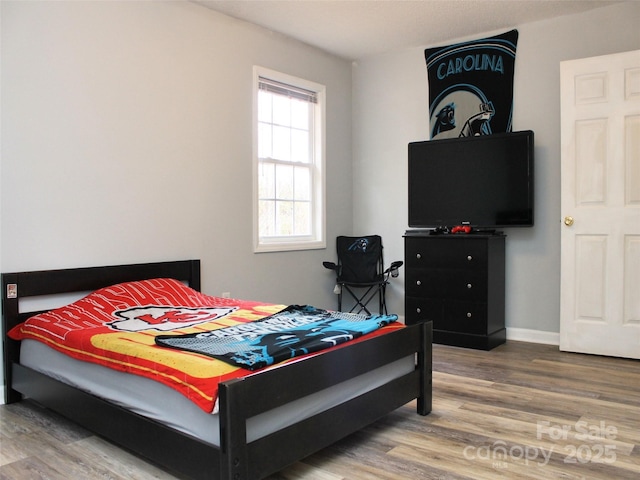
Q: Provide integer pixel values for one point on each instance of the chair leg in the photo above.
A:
(362, 301)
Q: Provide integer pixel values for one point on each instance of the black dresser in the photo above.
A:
(457, 281)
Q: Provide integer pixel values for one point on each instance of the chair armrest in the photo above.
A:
(330, 265)
(393, 268)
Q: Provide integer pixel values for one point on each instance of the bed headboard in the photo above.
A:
(20, 285)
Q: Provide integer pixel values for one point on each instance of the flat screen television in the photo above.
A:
(485, 182)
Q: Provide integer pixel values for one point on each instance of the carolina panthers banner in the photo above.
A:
(296, 330)
(471, 86)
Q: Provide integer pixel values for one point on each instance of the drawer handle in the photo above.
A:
(418, 310)
(418, 256)
(418, 283)
(469, 285)
(469, 257)
(468, 314)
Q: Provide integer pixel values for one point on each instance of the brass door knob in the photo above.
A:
(568, 221)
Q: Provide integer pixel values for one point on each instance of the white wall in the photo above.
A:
(127, 137)
(391, 110)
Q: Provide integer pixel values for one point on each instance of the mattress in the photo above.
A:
(165, 405)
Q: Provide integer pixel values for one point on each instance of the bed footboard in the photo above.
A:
(241, 399)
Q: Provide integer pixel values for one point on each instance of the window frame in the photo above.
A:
(317, 238)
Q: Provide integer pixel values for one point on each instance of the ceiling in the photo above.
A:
(355, 29)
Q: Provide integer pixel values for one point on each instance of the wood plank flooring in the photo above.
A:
(520, 411)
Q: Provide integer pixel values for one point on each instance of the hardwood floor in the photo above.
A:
(520, 411)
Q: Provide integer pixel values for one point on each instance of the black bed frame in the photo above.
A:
(239, 399)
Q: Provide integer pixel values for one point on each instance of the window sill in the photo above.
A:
(289, 246)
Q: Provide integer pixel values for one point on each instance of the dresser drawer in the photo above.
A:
(450, 253)
(418, 310)
(426, 283)
(468, 317)
(452, 316)
(446, 284)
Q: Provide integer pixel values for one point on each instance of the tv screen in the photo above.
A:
(483, 182)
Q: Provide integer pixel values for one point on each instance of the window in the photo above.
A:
(288, 163)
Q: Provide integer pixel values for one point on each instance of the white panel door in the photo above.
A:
(600, 240)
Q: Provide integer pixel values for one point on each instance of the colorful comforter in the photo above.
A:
(118, 327)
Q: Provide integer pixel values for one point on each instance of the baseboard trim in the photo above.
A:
(524, 335)
(533, 336)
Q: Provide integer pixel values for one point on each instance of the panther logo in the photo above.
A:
(445, 120)
(360, 245)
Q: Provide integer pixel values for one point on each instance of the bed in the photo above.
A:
(246, 438)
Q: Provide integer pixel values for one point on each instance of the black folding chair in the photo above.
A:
(360, 271)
